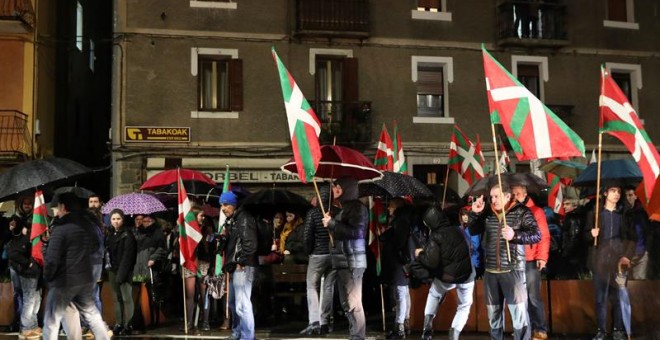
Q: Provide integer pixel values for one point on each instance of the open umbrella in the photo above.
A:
(80, 192)
(133, 204)
(563, 169)
(619, 172)
(340, 161)
(532, 182)
(195, 182)
(267, 202)
(38, 173)
(398, 185)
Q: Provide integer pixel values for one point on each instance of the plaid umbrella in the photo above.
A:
(134, 204)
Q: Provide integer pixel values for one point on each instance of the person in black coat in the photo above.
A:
(122, 251)
(447, 256)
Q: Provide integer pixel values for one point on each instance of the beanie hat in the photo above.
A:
(228, 198)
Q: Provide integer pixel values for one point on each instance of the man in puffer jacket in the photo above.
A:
(348, 229)
(447, 256)
(504, 247)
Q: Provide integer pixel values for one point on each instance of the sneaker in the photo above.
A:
(539, 335)
(117, 329)
(205, 327)
(600, 335)
(225, 325)
(619, 335)
(39, 330)
(312, 329)
(29, 334)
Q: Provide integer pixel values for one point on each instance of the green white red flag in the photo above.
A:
(226, 186)
(39, 226)
(505, 161)
(534, 131)
(384, 159)
(376, 209)
(304, 126)
(555, 193)
(189, 231)
(619, 119)
(464, 157)
(400, 164)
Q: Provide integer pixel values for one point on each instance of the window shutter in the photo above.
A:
(235, 84)
(430, 81)
(350, 80)
(616, 10)
(527, 70)
(429, 4)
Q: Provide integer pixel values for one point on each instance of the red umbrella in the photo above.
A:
(340, 161)
(168, 177)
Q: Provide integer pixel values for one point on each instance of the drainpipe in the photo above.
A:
(116, 105)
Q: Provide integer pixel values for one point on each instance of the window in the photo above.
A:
(432, 76)
(629, 79)
(532, 72)
(219, 82)
(226, 4)
(621, 14)
(431, 10)
(79, 27)
(335, 82)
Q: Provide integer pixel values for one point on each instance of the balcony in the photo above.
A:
(332, 18)
(344, 123)
(16, 16)
(526, 23)
(15, 139)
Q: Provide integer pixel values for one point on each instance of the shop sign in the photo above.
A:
(161, 134)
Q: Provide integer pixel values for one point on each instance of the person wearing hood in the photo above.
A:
(504, 243)
(22, 218)
(348, 230)
(447, 256)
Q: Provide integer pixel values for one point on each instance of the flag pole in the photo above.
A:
(444, 192)
(600, 150)
(318, 196)
(183, 279)
(378, 269)
(499, 182)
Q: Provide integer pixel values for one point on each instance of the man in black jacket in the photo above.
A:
(504, 246)
(447, 255)
(68, 270)
(241, 255)
(348, 229)
(317, 246)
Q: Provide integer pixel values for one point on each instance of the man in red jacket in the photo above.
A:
(536, 256)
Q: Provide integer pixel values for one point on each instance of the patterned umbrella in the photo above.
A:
(399, 185)
(37, 173)
(133, 204)
(340, 161)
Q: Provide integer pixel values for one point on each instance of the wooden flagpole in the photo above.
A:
(600, 150)
(444, 192)
(499, 182)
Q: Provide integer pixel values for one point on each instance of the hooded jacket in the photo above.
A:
(526, 231)
(446, 254)
(349, 228)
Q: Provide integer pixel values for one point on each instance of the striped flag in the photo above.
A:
(505, 161)
(464, 158)
(39, 226)
(304, 126)
(534, 131)
(555, 193)
(189, 231)
(619, 119)
(376, 209)
(226, 186)
(400, 164)
(384, 159)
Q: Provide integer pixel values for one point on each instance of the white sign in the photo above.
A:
(247, 176)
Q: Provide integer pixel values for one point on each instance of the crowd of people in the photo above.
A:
(504, 239)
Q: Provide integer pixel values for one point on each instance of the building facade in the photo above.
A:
(194, 83)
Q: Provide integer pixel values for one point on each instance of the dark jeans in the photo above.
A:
(509, 287)
(604, 289)
(318, 267)
(349, 284)
(535, 306)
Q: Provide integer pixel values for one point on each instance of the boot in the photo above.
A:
(454, 334)
(399, 332)
(406, 326)
(312, 329)
(427, 333)
(600, 335)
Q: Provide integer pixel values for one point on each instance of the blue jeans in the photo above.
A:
(240, 306)
(319, 266)
(97, 270)
(535, 306)
(604, 289)
(18, 293)
(349, 284)
(63, 302)
(31, 302)
(464, 293)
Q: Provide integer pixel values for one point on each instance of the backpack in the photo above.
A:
(264, 236)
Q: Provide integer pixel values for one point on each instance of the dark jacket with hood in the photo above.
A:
(349, 228)
(19, 253)
(122, 248)
(242, 240)
(68, 256)
(616, 239)
(526, 231)
(398, 247)
(151, 246)
(447, 253)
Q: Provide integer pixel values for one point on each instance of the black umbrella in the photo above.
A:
(619, 172)
(80, 192)
(398, 185)
(482, 186)
(267, 202)
(37, 173)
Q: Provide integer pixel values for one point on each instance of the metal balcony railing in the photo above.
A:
(530, 23)
(344, 123)
(332, 18)
(15, 139)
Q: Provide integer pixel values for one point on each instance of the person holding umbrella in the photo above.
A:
(348, 229)
(507, 227)
(613, 250)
